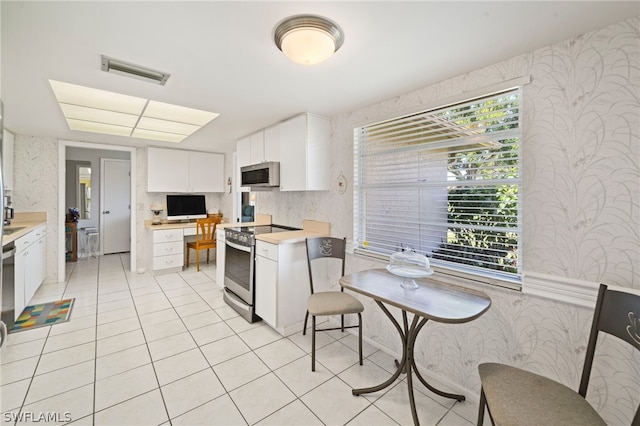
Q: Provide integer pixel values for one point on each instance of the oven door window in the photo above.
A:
(237, 267)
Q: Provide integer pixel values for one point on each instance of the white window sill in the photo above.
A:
(576, 292)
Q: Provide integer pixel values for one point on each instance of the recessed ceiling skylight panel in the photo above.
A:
(100, 111)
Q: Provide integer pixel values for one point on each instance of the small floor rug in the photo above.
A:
(43, 314)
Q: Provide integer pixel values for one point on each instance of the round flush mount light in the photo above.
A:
(308, 39)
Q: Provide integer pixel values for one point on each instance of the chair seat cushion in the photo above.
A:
(333, 303)
(517, 397)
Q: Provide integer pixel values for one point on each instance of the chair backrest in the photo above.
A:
(206, 229)
(617, 313)
(325, 248)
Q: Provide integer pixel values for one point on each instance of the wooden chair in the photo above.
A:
(329, 302)
(515, 396)
(205, 239)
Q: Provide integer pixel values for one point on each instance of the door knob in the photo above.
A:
(106, 212)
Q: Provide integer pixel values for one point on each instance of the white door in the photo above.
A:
(115, 206)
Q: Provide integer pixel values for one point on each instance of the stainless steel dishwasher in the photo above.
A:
(7, 317)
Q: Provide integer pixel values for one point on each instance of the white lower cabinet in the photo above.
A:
(167, 249)
(30, 266)
(220, 257)
(282, 285)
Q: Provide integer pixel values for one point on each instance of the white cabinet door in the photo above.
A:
(31, 272)
(19, 281)
(257, 147)
(243, 152)
(174, 170)
(282, 285)
(293, 154)
(304, 153)
(266, 292)
(167, 170)
(220, 257)
(272, 144)
(7, 159)
(266, 303)
(206, 172)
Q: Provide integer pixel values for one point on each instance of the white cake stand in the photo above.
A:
(409, 274)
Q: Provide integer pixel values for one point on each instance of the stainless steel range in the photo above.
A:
(239, 267)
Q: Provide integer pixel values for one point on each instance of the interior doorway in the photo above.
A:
(116, 151)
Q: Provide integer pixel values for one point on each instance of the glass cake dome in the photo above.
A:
(409, 265)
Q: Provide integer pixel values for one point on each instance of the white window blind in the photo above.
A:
(444, 182)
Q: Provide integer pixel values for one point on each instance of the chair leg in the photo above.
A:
(198, 260)
(483, 401)
(304, 329)
(207, 256)
(342, 323)
(360, 336)
(313, 343)
(186, 265)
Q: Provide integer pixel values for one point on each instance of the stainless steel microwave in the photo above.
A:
(261, 175)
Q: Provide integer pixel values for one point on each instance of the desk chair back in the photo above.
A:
(548, 402)
(205, 239)
(206, 229)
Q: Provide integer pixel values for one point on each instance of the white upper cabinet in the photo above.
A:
(173, 170)
(260, 147)
(256, 141)
(272, 143)
(7, 159)
(300, 144)
(243, 152)
(304, 153)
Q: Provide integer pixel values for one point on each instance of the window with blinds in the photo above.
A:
(445, 183)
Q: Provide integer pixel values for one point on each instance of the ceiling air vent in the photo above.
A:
(127, 69)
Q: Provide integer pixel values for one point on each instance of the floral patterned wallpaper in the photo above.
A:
(581, 214)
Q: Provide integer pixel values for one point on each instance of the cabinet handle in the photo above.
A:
(106, 212)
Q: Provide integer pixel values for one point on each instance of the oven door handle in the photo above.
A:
(238, 247)
(234, 299)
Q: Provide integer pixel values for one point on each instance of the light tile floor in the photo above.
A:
(160, 350)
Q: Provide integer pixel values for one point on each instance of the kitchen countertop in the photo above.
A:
(27, 221)
(310, 228)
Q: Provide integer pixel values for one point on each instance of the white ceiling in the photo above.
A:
(222, 58)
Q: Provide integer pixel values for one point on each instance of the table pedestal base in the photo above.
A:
(408, 363)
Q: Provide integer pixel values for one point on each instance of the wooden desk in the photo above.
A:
(433, 300)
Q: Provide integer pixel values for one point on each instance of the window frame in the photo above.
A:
(454, 271)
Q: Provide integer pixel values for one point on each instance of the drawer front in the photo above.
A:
(190, 231)
(39, 232)
(164, 262)
(167, 249)
(270, 251)
(167, 235)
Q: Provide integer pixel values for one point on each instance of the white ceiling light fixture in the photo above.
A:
(308, 39)
(99, 111)
(139, 72)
